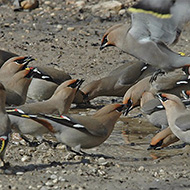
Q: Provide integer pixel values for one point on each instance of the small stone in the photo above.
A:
(107, 6)
(69, 156)
(25, 158)
(141, 168)
(61, 147)
(52, 14)
(47, 2)
(102, 161)
(122, 12)
(23, 142)
(78, 158)
(19, 173)
(70, 29)
(80, 4)
(59, 26)
(49, 183)
(55, 180)
(7, 171)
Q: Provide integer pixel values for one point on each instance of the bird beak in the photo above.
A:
(30, 73)
(103, 45)
(76, 83)
(128, 107)
(157, 146)
(120, 108)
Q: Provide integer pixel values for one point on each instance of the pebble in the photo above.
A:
(47, 2)
(7, 171)
(122, 12)
(61, 147)
(141, 168)
(53, 176)
(70, 29)
(107, 6)
(25, 158)
(80, 4)
(49, 183)
(19, 173)
(102, 161)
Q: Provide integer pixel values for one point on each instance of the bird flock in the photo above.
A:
(159, 83)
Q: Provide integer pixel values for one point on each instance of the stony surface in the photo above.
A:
(67, 34)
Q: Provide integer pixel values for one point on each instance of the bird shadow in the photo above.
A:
(12, 170)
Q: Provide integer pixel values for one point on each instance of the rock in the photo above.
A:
(102, 161)
(25, 158)
(70, 29)
(53, 176)
(80, 4)
(105, 7)
(141, 168)
(61, 147)
(122, 12)
(49, 183)
(19, 173)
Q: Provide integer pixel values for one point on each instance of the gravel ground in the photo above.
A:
(67, 34)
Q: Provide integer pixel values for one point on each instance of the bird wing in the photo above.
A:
(84, 124)
(161, 20)
(183, 122)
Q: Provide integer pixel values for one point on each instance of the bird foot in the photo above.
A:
(155, 75)
(5, 166)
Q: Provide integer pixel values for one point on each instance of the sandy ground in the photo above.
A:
(60, 34)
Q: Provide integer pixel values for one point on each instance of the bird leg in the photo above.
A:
(5, 164)
(31, 144)
(51, 144)
(82, 153)
(155, 75)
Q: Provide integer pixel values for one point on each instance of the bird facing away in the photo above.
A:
(77, 131)
(60, 103)
(178, 116)
(4, 124)
(149, 34)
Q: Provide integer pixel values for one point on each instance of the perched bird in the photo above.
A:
(177, 114)
(60, 101)
(153, 110)
(5, 55)
(155, 24)
(5, 124)
(17, 87)
(118, 81)
(77, 131)
(170, 81)
(13, 65)
(163, 139)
